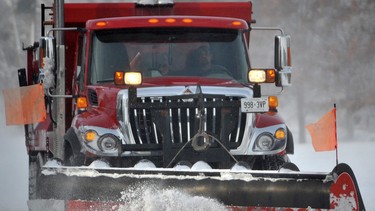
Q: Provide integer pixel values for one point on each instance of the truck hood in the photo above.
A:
(183, 81)
(104, 95)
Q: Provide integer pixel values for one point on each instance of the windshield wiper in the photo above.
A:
(105, 81)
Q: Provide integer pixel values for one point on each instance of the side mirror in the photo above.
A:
(282, 52)
(47, 50)
(283, 60)
(47, 60)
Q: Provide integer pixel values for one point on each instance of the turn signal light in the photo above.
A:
(90, 135)
(280, 134)
(82, 103)
(273, 102)
(119, 78)
(270, 75)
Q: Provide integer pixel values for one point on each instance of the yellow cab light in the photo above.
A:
(153, 20)
(257, 76)
(90, 135)
(82, 103)
(101, 23)
(133, 78)
(236, 23)
(119, 78)
(280, 134)
(187, 20)
(170, 20)
(273, 102)
(271, 75)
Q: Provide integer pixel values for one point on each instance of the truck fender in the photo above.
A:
(71, 138)
(289, 142)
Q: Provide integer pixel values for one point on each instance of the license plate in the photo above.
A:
(252, 105)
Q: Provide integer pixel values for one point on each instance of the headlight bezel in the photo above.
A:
(104, 140)
(279, 142)
(95, 145)
(263, 138)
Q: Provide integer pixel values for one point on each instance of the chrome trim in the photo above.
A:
(92, 146)
(248, 149)
(156, 92)
(249, 136)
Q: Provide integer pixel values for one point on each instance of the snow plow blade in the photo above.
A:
(232, 188)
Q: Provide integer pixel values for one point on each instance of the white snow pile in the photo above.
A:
(52, 163)
(146, 197)
(46, 73)
(144, 164)
(200, 165)
(99, 164)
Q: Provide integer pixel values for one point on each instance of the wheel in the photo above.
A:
(35, 163)
(270, 162)
(289, 167)
(72, 158)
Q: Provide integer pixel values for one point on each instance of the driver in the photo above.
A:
(199, 61)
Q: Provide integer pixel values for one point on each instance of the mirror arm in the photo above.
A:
(268, 28)
(66, 29)
(257, 91)
(49, 94)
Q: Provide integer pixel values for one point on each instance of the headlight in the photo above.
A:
(264, 142)
(107, 143)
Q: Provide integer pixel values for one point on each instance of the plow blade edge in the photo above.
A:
(232, 188)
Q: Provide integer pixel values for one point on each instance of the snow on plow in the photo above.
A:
(88, 188)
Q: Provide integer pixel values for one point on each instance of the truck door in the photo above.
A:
(78, 76)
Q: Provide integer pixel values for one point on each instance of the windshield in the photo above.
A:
(169, 52)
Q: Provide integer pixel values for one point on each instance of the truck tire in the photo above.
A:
(72, 158)
(72, 147)
(290, 142)
(270, 162)
(35, 163)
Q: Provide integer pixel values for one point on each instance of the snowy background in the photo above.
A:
(333, 48)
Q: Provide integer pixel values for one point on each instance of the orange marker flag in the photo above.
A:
(323, 132)
(24, 105)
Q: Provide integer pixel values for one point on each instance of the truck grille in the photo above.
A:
(174, 119)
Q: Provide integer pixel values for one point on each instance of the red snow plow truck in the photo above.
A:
(163, 94)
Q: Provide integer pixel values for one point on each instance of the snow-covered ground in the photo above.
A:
(358, 155)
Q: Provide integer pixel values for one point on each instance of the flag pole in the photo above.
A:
(336, 146)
